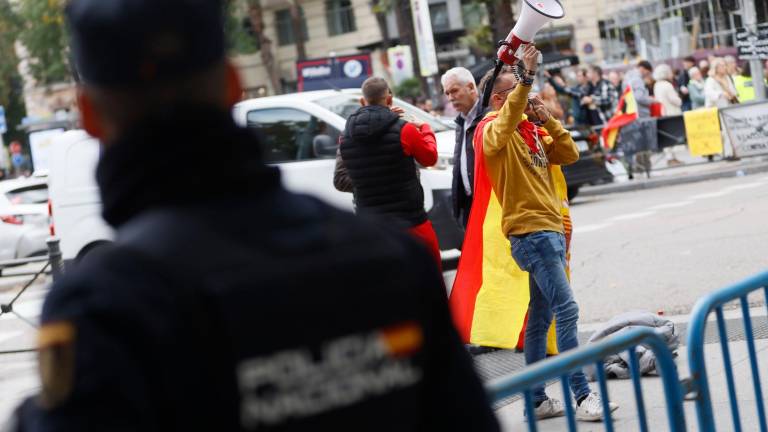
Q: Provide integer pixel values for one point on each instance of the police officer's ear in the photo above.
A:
(390, 99)
(362, 102)
(89, 116)
(234, 85)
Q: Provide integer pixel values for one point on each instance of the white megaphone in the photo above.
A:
(533, 15)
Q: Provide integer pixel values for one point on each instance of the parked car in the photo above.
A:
(590, 168)
(75, 203)
(300, 135)
(23, 217)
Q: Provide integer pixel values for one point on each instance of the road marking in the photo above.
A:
(671, 205)
(589, 228)
(744, 186)
(630, 216)
(728, 190)
(710, 195)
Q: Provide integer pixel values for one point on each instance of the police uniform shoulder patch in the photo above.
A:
(56, 361)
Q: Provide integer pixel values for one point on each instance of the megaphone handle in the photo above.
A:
(505, 51)
(488, 90)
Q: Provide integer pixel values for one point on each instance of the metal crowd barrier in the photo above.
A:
(701, 311)
(52, 261)
(560, 366)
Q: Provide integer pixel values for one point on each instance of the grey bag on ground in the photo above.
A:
(617, 365)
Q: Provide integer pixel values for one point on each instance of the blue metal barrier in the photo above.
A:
(702, 309)
(560, 367)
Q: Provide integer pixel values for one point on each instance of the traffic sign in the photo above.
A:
(3, 126)
(753, 45)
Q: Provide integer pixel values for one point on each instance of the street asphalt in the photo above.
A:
(692, 170)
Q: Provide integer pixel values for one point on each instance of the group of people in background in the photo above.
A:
(594, 95)
(589, 96)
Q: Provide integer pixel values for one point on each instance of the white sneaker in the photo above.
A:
(591, 408)
(549, 408)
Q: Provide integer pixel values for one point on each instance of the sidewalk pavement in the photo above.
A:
(10, 283)
(693, 169)
(621, 392)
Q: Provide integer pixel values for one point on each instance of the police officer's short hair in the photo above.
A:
(133, 43)
(375, 90)
(133, 56)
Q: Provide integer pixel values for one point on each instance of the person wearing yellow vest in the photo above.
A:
(744, 85)
(745, 90)
(518, 155)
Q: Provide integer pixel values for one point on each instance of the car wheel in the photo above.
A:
(90, 248)
(572, 192)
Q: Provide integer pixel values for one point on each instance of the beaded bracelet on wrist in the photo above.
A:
(527, 80)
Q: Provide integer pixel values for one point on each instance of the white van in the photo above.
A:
(300, 134)
(75, 203)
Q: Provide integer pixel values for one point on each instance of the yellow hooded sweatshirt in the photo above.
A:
(521, 178)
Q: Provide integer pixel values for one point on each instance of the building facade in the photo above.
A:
(346, 27)
(621, 31)
(607, 32)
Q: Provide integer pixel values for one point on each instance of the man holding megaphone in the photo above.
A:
(519, 156)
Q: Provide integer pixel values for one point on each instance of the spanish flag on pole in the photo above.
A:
(626, 113)
(490, 294)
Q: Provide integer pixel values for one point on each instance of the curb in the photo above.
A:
(736, 171)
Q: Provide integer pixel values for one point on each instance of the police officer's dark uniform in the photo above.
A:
(228, 303)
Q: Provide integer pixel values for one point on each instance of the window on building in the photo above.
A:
(290, 134)
(285, 34)
(438, 13)
(340, 17)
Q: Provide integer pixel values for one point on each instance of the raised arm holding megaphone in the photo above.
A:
(533, 15)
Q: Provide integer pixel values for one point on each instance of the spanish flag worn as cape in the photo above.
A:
(626, 113)
(490, 294)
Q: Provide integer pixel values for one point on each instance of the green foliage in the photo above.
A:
(410, 88)
(480, 39)
(240, 39)
(10, 81)
(44, 36)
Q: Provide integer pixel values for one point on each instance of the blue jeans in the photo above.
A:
(542, 255)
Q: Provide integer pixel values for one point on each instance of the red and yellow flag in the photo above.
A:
(626, 113)
(490, 294)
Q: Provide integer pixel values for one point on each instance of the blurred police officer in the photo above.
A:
(228, 304)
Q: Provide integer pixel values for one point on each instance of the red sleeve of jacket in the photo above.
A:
(419, 143)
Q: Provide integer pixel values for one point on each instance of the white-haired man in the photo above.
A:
(460, 89)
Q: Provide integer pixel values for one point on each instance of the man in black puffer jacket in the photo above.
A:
(377, 155)
(228, 304)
